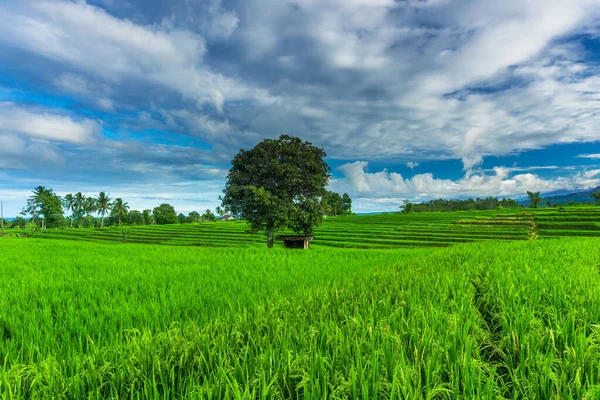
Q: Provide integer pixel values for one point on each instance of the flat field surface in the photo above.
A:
(485, 320)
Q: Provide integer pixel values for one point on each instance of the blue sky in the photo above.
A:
(413, 99)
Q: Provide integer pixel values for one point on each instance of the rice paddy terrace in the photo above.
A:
(374, 231)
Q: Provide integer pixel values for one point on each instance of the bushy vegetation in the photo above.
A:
(335, 204)
(443, 205)
(500, 320)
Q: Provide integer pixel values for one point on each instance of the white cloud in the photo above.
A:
(43, 124)
(93, 41)
(591, 156)
(502, 182)
(365, 79)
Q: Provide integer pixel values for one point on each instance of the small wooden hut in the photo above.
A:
(295, 242)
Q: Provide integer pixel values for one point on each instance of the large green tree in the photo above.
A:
(278, 184)
(119, 210)
(596, 195)
(103, 204)
(164, 214)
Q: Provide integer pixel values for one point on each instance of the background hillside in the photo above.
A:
(583, 196)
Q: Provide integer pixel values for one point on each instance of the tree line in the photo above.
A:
(486, 203)
(45, 209)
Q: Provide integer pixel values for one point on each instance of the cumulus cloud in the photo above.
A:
(502, 182)
(412, 164)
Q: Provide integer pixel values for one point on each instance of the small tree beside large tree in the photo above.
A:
(278, 184)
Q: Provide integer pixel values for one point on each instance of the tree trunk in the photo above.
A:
(270, 234)
(71, 221)
(102, 223)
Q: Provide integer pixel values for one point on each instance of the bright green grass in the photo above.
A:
(492, 320)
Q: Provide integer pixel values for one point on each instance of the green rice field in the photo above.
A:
(513, 315)
(374, 232)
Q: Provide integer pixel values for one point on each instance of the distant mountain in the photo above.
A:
(564, 197)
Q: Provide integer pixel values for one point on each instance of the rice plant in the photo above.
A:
(486, 320)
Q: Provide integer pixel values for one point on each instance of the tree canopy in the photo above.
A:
(165, 214)
(208, 216)
(120, 209)
(336, 204)
(278, 184)
(45, 205)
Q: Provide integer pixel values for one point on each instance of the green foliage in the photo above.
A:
(119, 210)
(208, 216)
(276, 183)
(534, 199)
(443, 205)
(32, 228)
(493, 320)
(103, 205)
(68, 202)
(86, 221)
(164, 214)
(82, 208)
(18, 222)
(408, 207)
(334, 204)
(193, 217)
(46, 207)
(148, 217)
(135, 218)
(181, 218)
(596, 196)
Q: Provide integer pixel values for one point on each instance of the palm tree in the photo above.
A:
(79, 203)
(68, 203)
(90, 205)
(39, 193)
(103, 204)
(119, 209)
(534, 199)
